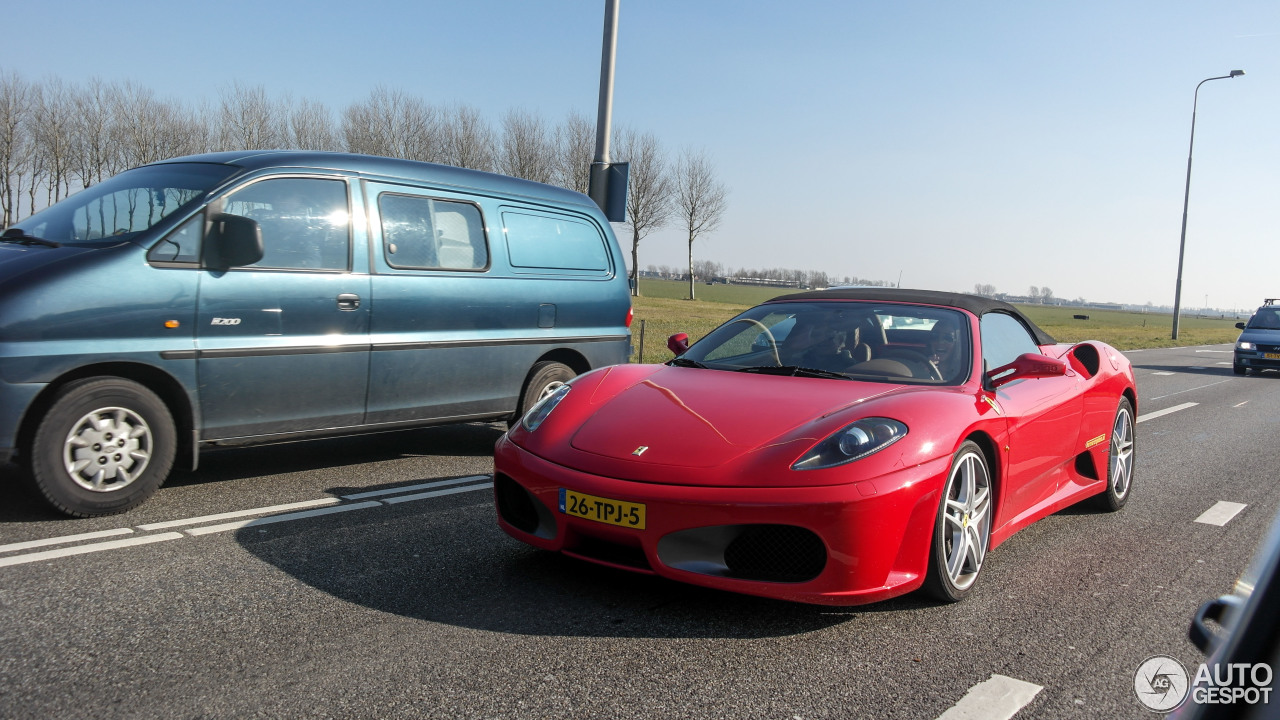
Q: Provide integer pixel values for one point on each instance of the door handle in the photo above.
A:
(348, 301)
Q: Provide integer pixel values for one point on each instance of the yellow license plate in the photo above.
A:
(601, 509)
(1271, 356)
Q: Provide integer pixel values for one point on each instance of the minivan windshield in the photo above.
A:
(126, 205)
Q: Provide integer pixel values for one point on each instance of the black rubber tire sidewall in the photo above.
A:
(540, 376)
(72, 403)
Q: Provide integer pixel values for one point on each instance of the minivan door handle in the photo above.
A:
(348, 301)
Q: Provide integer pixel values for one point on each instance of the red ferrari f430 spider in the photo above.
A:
(835, 447)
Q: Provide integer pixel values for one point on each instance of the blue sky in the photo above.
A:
(1009, 143)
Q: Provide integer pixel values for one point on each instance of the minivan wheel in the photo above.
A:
(104, 446)
(544, 378)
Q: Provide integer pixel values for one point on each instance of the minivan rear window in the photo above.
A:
(553, 242)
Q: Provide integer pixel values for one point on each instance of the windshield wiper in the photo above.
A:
(686, 362)
(794, 371)
(20, 236)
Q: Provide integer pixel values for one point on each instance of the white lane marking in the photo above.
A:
(1162, 373)
(1221, 513)
(1189, 390)
(238, 513)
(407, 488)
(999, 698)
(1224, 362)
(1161, 413)
(208, 529)
(436, 493)
(63, 539)
(1246, 402)
(82, 549)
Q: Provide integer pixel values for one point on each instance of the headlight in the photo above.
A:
(1244, 346)
(862, 438)
(540, 411)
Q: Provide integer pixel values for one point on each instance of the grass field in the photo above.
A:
(664, 311)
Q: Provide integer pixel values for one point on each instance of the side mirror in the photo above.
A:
(234, 241)
(1239, 326)
(1028, 365)
(678, 343)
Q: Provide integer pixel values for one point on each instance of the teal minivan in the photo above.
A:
(265, 296)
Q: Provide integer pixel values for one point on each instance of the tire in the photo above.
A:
(1239, 369)
(116, 426)
(544, 378)
(962, 528)
(1120, 460)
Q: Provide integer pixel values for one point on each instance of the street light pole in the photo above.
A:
(1186, 197)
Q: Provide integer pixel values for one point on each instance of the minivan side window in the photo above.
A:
(181, 245)
(1004, 338)
(420, 233)
(305, 222)
(552, 242)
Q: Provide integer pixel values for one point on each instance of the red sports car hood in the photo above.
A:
(686, 417)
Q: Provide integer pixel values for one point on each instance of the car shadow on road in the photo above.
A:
(235, 463)
(20, 502)
(454, 566)
(1187, 370)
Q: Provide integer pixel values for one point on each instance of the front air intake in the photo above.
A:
(775, 553)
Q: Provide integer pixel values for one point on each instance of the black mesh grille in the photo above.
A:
(514, 504)
(610, 552)
(776, 553)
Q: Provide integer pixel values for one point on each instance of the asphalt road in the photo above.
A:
(411, 603)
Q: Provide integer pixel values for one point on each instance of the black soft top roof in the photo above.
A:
(977, 305)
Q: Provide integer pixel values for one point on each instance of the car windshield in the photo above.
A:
(126, 205)
(1267, 318)
(880, 342)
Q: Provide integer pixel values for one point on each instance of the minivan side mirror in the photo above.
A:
(678, 343)
(1027, 365)
(234, 241)
(1239, 326)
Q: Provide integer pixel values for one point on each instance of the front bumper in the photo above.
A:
(847, 544)
(1257, 359)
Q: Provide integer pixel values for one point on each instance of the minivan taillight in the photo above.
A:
(631, 313)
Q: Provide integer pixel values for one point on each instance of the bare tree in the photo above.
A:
(310, 126)
(526, 149)
(248, 119)
(575, 149)
(700, 198)
(92, 152)
(51, 130)
(648, 191)
(15, 146)
(146, 130)
(468, 139)
(393, 124)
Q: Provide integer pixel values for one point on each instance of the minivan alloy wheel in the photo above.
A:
(107, 449)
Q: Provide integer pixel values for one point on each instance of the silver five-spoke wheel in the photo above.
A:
(962, 533)
(1120, 459)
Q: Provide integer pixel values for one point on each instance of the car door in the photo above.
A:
(282, 345)
(1043, 416)
(444, 329)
